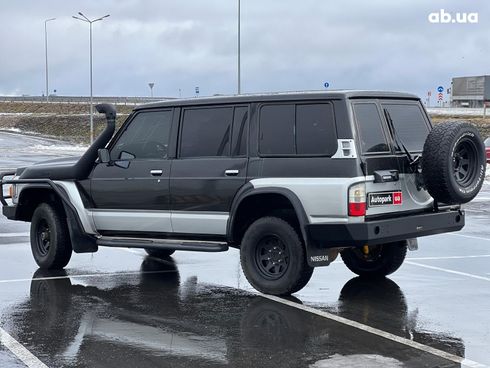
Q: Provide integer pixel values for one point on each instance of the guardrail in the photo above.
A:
(461, 111)
(83, 99)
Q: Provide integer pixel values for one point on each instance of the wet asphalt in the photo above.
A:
(121, 308)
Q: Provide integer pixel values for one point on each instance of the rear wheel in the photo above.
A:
(273, 257)
(160, 253)
(375, 261)
(50, 239)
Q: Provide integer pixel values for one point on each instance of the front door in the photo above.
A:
(131, 193)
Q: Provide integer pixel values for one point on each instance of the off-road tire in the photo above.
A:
(453, 162)
(268, 232)
(54, 252)
(160, 253)
(381, 261)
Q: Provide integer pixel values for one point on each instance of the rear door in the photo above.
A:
(131, 194)
(382, 153)
(210, 167)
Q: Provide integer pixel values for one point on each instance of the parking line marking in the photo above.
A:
(13, 235)
(469, 236)
(20, 351)
(449, 271)
(377, 332)
(475, 211)
(12, 244)
(447, 257)
(86, 275)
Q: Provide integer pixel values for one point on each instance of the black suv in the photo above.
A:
(292, 179)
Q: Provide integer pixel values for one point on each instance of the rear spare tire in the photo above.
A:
(453, 162)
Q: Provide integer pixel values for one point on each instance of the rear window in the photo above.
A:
(297, 129)
(410, 124)
(369, 125)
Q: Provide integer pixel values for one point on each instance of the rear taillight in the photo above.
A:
(357, 200)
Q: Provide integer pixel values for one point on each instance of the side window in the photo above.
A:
(370, 128)
(297, 129)
(315, 130)
(277, 129)
(146, 137)
(240, 131)
(409, 123)
(206, 132)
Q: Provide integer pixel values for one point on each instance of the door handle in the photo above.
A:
(232, 172)
(156, 172)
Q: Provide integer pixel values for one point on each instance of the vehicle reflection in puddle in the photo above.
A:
(154, 317)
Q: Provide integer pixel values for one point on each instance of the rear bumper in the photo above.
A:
(384, 231)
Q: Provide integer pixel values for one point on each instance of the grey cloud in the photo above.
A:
(286, 45)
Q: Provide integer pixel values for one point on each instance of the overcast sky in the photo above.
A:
(286, 45)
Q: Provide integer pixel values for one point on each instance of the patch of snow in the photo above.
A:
(358, 360)
(15, 130)
(59, 148)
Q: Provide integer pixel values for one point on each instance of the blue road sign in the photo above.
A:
(326, 84)
(440, 89)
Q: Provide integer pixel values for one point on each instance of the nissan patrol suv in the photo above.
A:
(291, 179)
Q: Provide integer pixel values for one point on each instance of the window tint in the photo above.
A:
(206, 132)
(315, 129)
(370, 128)
(240, 132)
(146, 136)
(277, 129)
(410, 125)
(303, 129)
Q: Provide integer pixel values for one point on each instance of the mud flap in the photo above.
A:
(318, 257)
(81, 242)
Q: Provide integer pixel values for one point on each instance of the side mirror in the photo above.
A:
(104, 155)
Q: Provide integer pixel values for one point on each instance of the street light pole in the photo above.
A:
(239, 67)
(91, 91)
(46, 53)
(85, 19)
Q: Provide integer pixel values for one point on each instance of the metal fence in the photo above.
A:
(83, 99)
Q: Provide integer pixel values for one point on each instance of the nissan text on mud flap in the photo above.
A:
(292, 180)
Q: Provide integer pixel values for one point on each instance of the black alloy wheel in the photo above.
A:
(465, 162)
(272, 257)
(43, 237)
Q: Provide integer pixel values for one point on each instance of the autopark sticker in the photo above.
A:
(386, 198)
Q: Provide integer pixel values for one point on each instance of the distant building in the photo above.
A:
(470, 91)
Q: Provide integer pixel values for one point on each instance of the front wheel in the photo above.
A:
(50, 239)
(273, 257)
(160, 253)
(375, 261)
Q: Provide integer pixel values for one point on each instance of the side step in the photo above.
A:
(177, 244)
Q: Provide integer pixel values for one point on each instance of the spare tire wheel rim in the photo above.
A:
(271, 257)
(465, 162)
